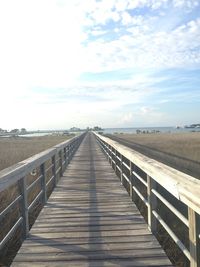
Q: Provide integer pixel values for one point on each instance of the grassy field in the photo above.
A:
(15, 149)
(178, 150)
(185, 145)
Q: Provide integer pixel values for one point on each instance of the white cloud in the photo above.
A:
(126, 118)
(142, 117)
(190, 4)
(121, 5)
(156, 4)
(143, 47)
(126, 18)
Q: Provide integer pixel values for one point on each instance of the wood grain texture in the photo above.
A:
(90, 221)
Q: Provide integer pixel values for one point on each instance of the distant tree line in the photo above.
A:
(14, 131)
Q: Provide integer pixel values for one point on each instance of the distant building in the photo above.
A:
(74, 129)
(3, 131)
(23, 130)
(15, 131)
(97, 128)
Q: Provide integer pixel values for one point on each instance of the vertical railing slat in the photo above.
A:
(134, 196)
(121, 168)
(65, 157)
(53, 161)
(115, 167)
(43, 182)
(23, 189)
(194, 230)
(60, 163)
(131, 180)
(152, 204)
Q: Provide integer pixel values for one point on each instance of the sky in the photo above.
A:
(111, 63)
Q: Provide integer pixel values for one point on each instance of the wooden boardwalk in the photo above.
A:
(89, 220)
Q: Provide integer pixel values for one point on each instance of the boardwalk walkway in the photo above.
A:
(89, 220)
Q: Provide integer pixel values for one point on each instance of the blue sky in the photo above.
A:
(112, 63)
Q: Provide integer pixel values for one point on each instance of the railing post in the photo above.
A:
(194, 231)
(131, 180)
(43, 182)
(72, 150)
(60, 163)
(23, 189)
(69, 153)
(112, 165)
(121, 168)
(53, 161)
(65, 157)
(133, 183)
(107, 150)
(152, 204)
(115, 167)
(109, 153)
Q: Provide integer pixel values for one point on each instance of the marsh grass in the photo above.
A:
(16, 149)
(13, 150)
(185, 145)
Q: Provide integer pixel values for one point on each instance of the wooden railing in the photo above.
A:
(157, 184)
(32, 179)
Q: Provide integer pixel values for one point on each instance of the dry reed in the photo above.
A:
(185, 145)
(16, 149)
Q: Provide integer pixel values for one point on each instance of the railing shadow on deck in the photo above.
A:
(29, 183)
(170, 199)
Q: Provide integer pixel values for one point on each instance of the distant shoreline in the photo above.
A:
(164, 129)
(150, 129)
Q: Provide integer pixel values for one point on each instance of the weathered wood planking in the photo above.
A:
(90, 221)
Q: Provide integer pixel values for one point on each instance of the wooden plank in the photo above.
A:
(160, 261)
(55, 248)
(57, 222)
(86, 254)
(92, 228)
(91, 240)
(89, 220)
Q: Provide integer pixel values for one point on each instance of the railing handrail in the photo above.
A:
(182, 186)
(12, 174)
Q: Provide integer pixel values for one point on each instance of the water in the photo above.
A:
(35, 134)
(28, 135)
(122, 130)
(150, 129)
